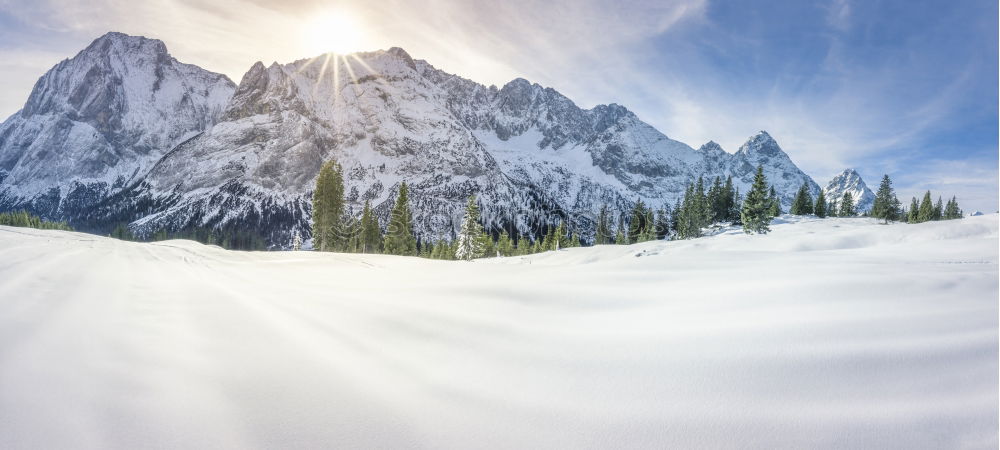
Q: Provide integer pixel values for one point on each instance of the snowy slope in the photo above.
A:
(97, 122)
(850, 181)
(836, 333)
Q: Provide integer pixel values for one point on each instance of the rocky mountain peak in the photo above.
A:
(850, 181)
(101, 118)
(761, 144)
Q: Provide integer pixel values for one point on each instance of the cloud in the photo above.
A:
(974, 181)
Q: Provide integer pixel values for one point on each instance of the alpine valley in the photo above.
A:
(124, 134)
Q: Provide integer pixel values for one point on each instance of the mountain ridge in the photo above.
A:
(532, 156)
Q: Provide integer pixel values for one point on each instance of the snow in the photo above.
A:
(829, 333)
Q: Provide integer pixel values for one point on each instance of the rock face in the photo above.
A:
(95, 123)
(850, 181)
(530, 154)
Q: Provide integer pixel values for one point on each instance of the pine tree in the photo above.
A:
(121, 231)
(702, 214)
(717, 201)
(371, 234)
(523, 246)
(470, 242)
(489, 247)
(662, 223)
(505, 245)
(926, 211)
(952, 211)
(757, 206)
(685, 215)
(602, 236)
(399, 238)
(886, 205)
(730, 201)
(560, 239)
(914, 213)
(296, 241)
(938, 210)
(328, 208)
(636, 224)
(649, 225)
(574, 240)
(847, 206)
(675, 218)
(803, 203)
(620, 238)
(775, 202)
(736, 208)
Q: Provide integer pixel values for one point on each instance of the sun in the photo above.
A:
(333, 31)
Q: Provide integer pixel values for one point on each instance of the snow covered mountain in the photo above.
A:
(850, 181)
(95, 123)
(531, 155)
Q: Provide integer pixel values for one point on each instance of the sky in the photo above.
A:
(905, 88)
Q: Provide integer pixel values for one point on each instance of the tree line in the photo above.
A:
(28, 220)
(700, 207)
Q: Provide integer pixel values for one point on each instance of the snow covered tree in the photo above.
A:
(328, 208)
(926, 210)
(470, 241)
(756, 213)
(886, 205)
(296, 241)
(399, 238)
(938, 210)
(847, 206)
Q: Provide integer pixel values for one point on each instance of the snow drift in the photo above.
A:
(823, 334)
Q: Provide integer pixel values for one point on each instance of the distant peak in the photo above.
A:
(762, 135)
(518, 83)
(710, 146)
(403, 55)
(761, 143)
(114, 42)
(396, 51)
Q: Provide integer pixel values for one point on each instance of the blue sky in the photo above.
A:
(907, 88)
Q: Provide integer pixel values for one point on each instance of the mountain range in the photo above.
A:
(123, 133)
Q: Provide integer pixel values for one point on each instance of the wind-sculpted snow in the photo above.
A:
(837, 333)
(97, 122)
(850, 181)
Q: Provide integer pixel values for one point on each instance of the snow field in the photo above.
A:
(822, 334)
